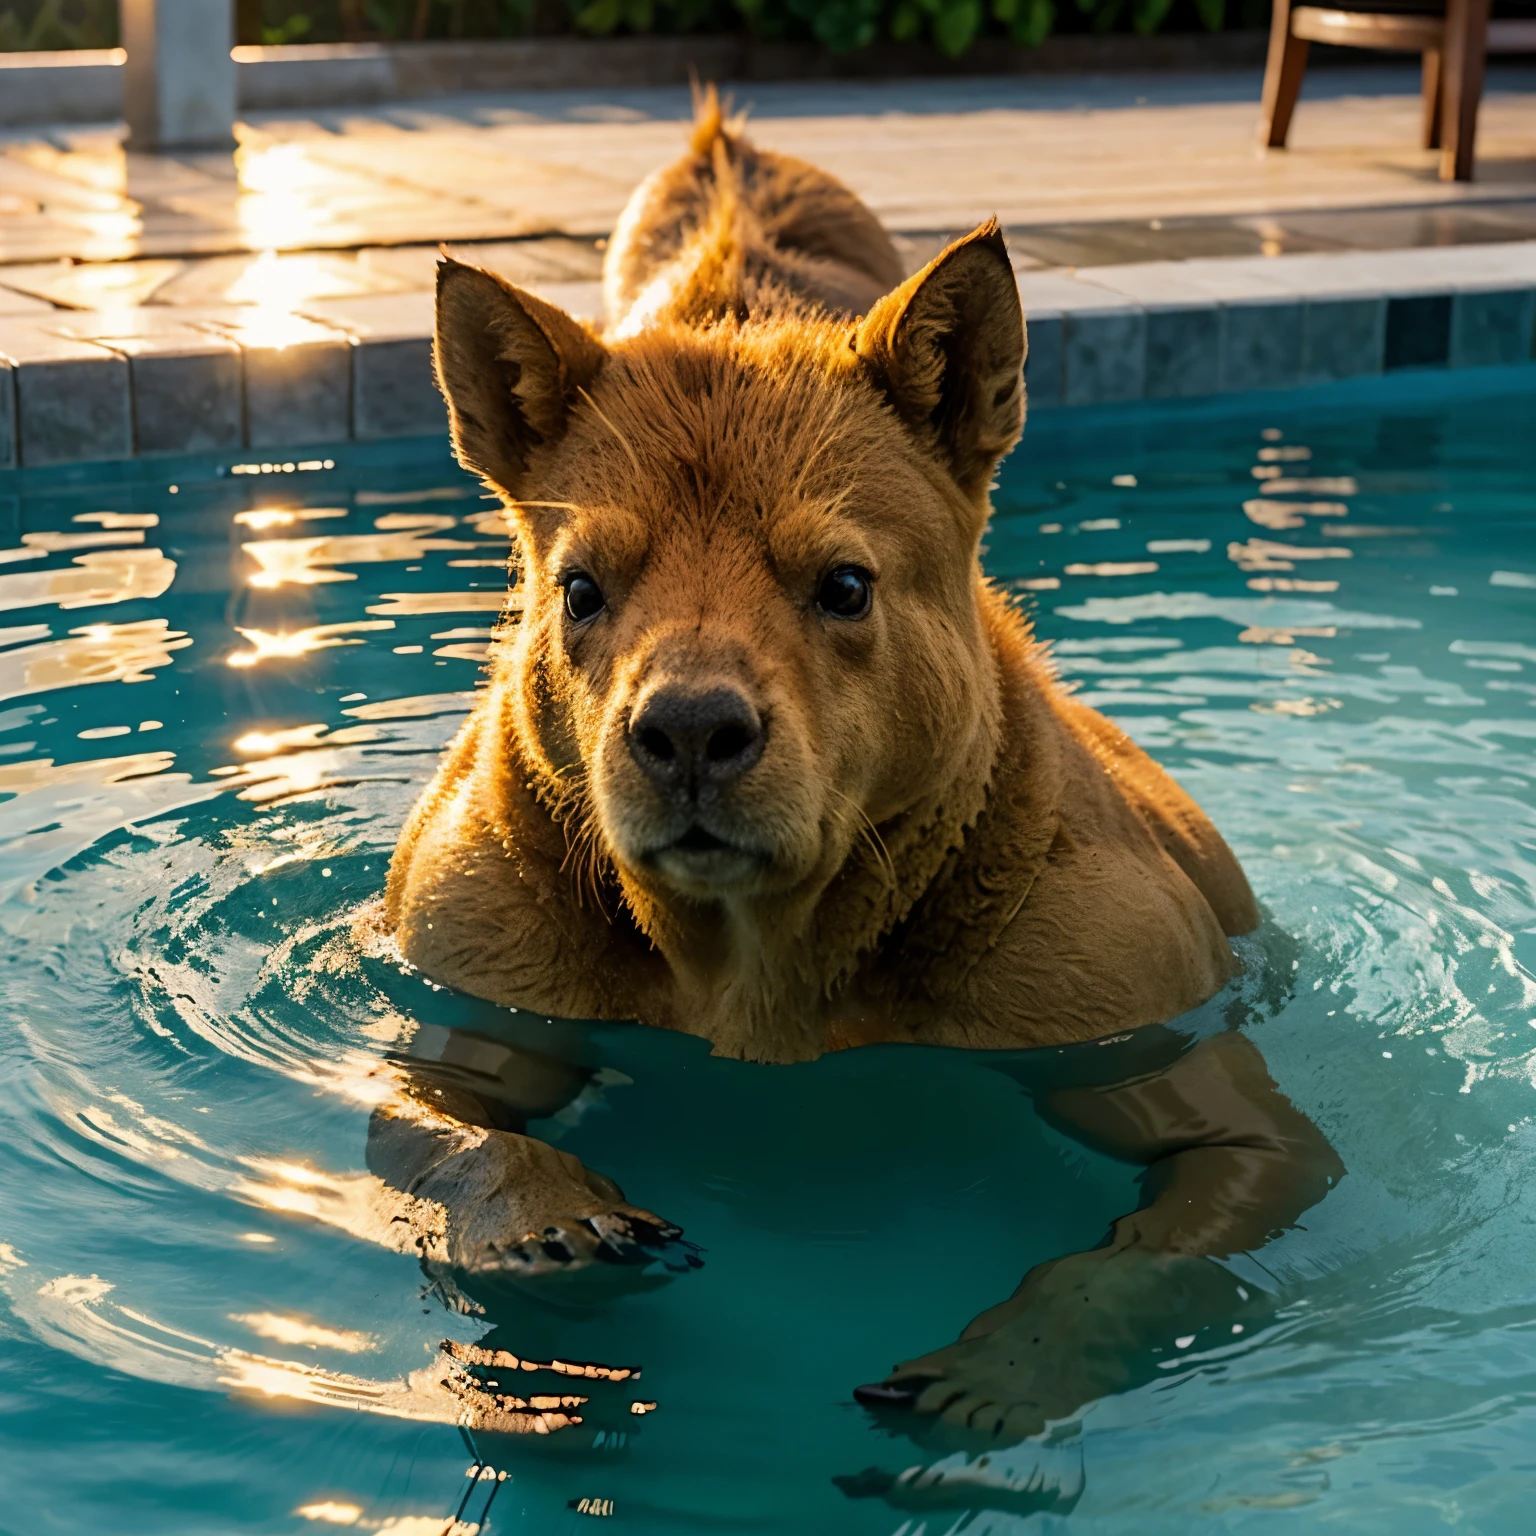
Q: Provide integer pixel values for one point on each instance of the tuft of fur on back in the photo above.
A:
(731, 231)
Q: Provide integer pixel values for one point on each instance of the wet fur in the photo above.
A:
(962, 854)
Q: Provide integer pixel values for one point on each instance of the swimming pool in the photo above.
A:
(220, 697)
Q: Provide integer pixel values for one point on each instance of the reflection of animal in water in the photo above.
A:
(768, 761)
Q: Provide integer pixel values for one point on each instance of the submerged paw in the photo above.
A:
(1009, 1383)
(969, 1393)
(618, 1236)
(1020, 1480)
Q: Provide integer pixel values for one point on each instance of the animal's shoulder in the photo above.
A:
(1182, 829)
(1105, 929)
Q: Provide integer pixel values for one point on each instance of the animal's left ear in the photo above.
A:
(948, 349)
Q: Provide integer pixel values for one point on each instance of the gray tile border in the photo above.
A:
(393, 390)
(1262, 346)
(1184, 348)
(83, 385)
(298, 394)
(1342, 338)
(72, 397)
(187, 397)
(1104, 355)
(394, 393)
(1490, 327)
(1042, 365)
(73, 409)
(7, 414)
(1418, 331)
(186, 379)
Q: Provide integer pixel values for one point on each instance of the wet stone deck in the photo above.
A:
(283, 295)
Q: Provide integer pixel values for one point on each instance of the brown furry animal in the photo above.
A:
(766, 758)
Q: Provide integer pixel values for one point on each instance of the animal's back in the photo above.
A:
(732, 230)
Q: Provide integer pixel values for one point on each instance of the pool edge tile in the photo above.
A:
(7, 414)
(1104, 355)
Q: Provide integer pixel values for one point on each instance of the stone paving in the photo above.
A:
(1049, 156)
(207, 305)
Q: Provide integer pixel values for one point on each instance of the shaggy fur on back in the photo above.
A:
(731, 231)
(910, 831)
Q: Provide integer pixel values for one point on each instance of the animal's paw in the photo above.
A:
(1018, 1480)
(519, 1207)
(1078, 1329)
(564, 1241)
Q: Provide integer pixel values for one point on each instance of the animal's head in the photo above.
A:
(750, 593)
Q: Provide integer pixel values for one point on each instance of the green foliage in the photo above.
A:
(600, 17)
(1027, 22)
(28, 25)
(841, 26)
(293, 30)
(1148, 15)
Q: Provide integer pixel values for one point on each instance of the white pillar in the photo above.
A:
(179, 82)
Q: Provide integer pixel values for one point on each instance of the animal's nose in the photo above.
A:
(686, 738)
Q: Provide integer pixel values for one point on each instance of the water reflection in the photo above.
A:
(96, 653)
(259, 519)
(416, 604)
(285, 645)
(304, 1331)
(93, 580)
(220, 1078)
(308, 562)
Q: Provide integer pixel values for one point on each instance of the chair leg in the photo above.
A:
(1434, 91)
(1466, 57)
(1282, 78)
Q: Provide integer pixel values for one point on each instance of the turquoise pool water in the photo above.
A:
(218, 701)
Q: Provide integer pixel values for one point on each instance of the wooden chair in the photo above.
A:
(1454, 43)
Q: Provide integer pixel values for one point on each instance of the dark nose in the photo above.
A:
(686, 739)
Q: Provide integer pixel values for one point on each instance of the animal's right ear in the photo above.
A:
(509, 366)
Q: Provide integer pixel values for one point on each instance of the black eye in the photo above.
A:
(846, 592)
(583, 597)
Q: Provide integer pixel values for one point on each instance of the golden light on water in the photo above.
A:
(97, 653)
(267, 517)
(312, 561)
(91, 580)
(119, 519)
(267, 743)
(285, 645)
(283, 1329)
(331, 1513)
(57, 543)
(411, 604)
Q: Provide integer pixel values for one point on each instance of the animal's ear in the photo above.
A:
(509, 365)
(947, 347)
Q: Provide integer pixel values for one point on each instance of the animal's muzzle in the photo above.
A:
(691, 740)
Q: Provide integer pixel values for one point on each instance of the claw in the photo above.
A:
(887, 1394)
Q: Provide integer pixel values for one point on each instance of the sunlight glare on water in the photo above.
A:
(216, 708)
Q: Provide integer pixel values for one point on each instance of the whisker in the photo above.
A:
(870, 833)
(634, 458)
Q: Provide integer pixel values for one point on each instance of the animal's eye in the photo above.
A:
(583, 597)
(846, 592)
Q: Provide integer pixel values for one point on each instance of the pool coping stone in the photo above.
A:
(83, 386)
